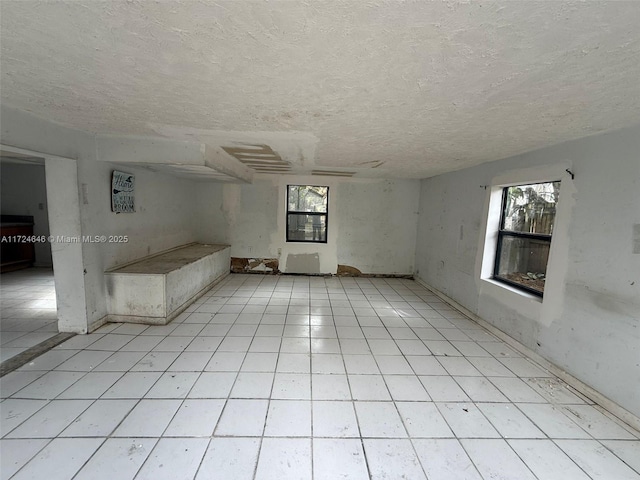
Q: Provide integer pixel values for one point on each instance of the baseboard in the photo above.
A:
(599, 399)
(97, 324)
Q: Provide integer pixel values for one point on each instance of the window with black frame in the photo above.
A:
(307, 211)
(524, 238)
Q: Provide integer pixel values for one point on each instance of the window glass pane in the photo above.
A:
(306, 198)
(531, 208)
(307, 228)
(523, 261)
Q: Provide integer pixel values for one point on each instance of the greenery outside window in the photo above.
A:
(307, 211)
(524, 237)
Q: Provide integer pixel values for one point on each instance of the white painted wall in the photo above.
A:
(23, 191)
(164, 217)
(589, 320)
(372, 223)
(68, 263)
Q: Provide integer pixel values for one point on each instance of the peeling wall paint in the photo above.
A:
(255, 265)
(589, 320)
(348, 271)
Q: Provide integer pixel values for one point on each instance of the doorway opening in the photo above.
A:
(27, 287)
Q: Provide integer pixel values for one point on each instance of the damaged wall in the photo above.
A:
(371, 224)
(589, 320)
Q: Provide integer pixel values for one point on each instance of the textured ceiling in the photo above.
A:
(410, 88)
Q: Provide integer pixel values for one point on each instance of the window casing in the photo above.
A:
(524, 236)
(307, 213)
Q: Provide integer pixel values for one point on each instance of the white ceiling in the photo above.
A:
(411, 88)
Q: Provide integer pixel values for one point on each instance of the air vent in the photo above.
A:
(259, 157)
(333, 173)
(372, 164)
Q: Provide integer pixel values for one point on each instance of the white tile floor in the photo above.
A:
(304, 378)
(28, 310)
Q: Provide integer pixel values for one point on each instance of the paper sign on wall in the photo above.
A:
(122, 192)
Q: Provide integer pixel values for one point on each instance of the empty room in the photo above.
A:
(290, 239)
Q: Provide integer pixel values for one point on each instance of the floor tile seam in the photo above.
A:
(574, 461)
(33, 456)
(474, 462)
(636, 470)
(113, 435)
(51, 401)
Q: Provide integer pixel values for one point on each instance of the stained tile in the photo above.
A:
(546, 460)
(15, 453)
(15, 411)
(230, 458)
(596, 460)
(185, 455)
(467, 421)
(149, 418)
(242, 418)
(195, 418)
(117, 458)
(379, 419)
(496, 460)
(100, 419)
(392, 459)
(51, 419)
(445, 459)
(423, 420)
(284, 459)
(339, 458)
(334, 419)
(552, 421)
(288, 418)
(330, 387)
(212, 385)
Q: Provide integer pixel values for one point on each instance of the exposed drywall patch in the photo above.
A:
(255, 265)
(636, 238)
(348, 271)
(303, 263)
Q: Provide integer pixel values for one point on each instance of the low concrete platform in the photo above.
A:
(155, 289)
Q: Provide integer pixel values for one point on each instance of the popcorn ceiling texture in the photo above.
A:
(418, 88)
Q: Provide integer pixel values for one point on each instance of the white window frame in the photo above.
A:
(558, 252)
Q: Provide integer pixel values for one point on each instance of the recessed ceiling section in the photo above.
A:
(181, 158)
(261, 158)
(190, 172)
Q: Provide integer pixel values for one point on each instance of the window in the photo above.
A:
(307, 213)
(524, 237)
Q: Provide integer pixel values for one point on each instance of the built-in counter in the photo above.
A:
(156, 289)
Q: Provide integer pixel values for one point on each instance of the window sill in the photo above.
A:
(512, 290)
